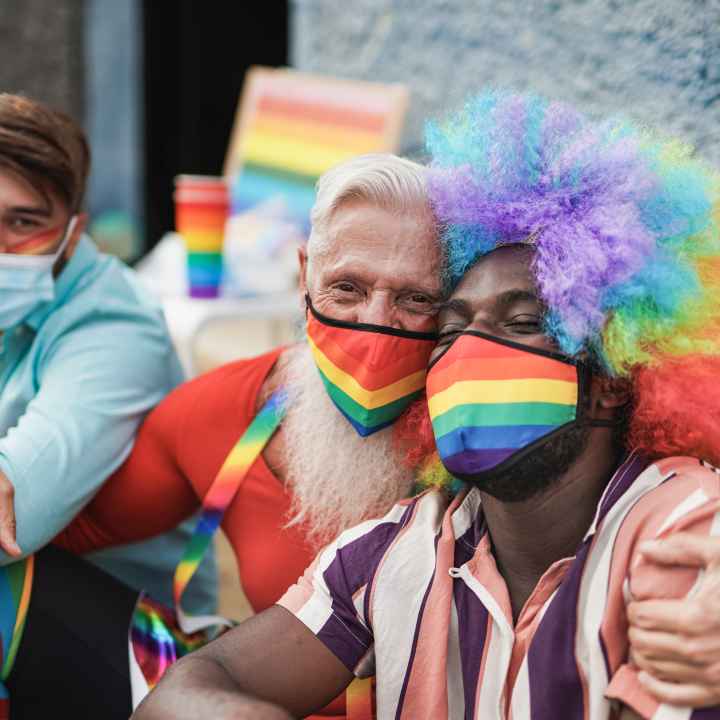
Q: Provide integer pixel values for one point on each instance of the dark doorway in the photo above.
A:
(196, 55)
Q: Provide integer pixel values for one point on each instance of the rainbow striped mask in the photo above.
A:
(371, 372)
(492, 402)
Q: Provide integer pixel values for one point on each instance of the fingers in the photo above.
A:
(7, 518)
(686, 694)
(678, 645)
(683, 549)
(691, 617)
(678, 671)
(660, 646)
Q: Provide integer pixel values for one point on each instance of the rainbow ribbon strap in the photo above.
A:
(15, 588)
(158, 635)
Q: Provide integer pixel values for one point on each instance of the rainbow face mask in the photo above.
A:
(492, 402)
(371, 372)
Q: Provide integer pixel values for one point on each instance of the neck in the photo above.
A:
(529, 536)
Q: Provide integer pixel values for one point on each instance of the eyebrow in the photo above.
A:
(514, 296)
(40, 212)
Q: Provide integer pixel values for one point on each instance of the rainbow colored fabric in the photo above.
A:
(488, 399)
(626, 229)
(360, 699)
(371, 373)
(159, 635)
(15, 589)
(297, 127)
(201, 209)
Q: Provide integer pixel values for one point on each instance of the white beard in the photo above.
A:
(336, 477)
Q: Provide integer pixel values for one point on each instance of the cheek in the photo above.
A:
(419, 323)
(326, 304)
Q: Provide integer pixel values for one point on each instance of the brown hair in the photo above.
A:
(45, 148)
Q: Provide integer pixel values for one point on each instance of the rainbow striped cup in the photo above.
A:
(201, 210)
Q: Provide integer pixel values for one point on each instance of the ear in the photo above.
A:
(80, 225)
(611, 392)
(303, 262)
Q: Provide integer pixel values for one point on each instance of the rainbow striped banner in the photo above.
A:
(291, 127)
(487, 399)
(159, 635)
(371, 376)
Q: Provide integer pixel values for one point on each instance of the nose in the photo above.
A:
(377, 310)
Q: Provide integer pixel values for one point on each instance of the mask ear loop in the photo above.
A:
(68, 234)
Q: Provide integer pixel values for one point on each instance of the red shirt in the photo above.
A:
(178, 452)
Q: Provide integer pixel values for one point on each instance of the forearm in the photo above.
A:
(199, 686)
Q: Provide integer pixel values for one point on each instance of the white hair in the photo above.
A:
(382, 179)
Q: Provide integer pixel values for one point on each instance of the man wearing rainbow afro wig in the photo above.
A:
(574, 404)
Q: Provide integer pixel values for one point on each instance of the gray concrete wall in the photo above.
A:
(658, 60)
(41, 51)
(114, 123)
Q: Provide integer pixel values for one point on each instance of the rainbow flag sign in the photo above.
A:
(291, 127)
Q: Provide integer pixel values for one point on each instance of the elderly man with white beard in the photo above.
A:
(370, 279)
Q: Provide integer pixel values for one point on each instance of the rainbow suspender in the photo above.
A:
(158, 635)
(15, 587)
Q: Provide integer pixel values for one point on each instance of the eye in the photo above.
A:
(22, 224)
(420, 299)
(418, 302)
(344, 287)
(524, 324)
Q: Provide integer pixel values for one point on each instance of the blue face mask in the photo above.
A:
(26, 282)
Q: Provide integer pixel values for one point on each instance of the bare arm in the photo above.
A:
(270, 667)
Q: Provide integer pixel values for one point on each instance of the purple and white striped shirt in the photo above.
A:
(416, 598)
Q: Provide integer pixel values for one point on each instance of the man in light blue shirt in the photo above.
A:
(84, 352)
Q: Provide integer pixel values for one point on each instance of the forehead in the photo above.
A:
(16, 191)
(395, 247)
(505, 269)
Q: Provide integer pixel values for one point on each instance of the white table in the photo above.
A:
(164, 273)
(187, 318)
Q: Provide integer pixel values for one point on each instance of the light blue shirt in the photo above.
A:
(76, 380)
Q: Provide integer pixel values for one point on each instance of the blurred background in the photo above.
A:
(156, 84)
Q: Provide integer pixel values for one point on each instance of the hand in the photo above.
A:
(676, 643)
(7, 518)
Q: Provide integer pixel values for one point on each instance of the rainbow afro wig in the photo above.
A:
(627, 248)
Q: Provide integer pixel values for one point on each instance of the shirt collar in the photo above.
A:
(84, 257)
(467, 512)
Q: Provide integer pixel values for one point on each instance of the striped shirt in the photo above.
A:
(416, 598)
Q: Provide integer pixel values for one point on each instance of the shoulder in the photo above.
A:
(237, 375)
(105, 294)
(404, 533)
(680, 494)
(683, 484)
(233, 387)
